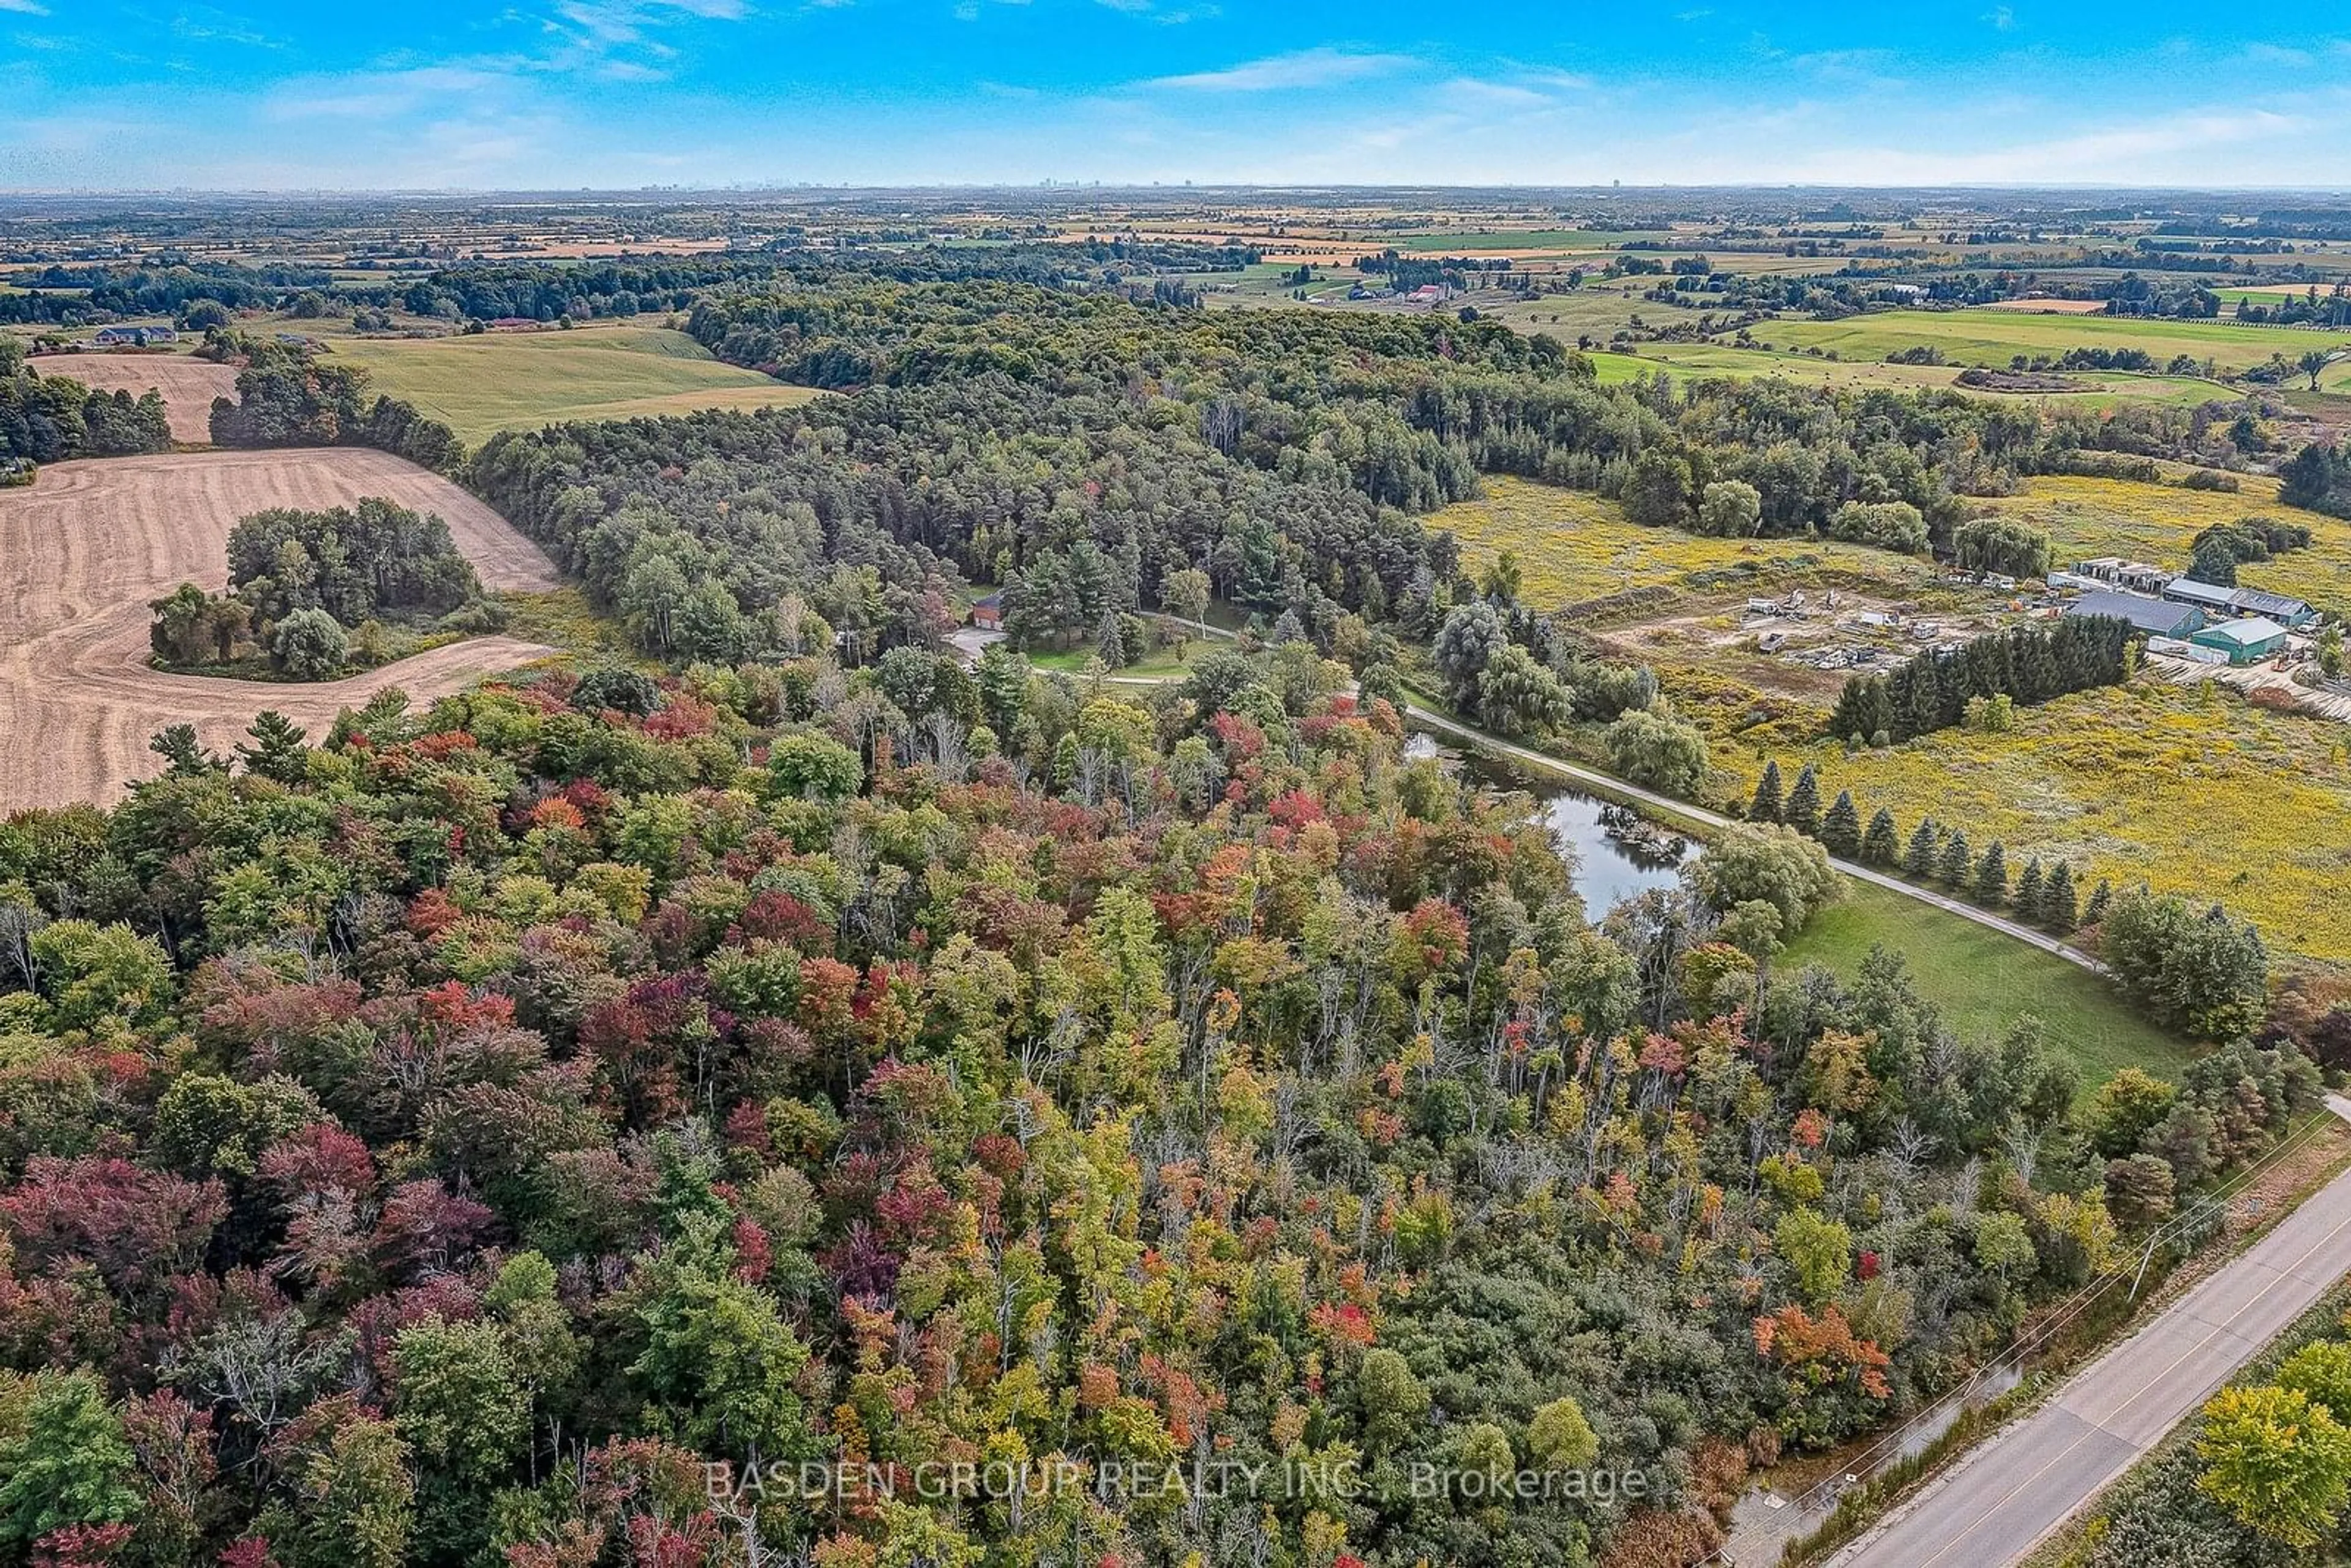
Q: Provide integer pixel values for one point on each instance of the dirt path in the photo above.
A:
(84, 550)
(188, 384)
(1608, 786)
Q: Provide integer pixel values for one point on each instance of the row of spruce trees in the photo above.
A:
(2025, 664)
(2041, 895)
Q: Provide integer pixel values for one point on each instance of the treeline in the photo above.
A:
(446, 1138)
(1938, 689)
(2310, 308)
(1494, 400)
(2318, 478)
(48, 419)
(2200, 972)
(73, 296)
(1284, 453)
(631, 286)
(286, 397)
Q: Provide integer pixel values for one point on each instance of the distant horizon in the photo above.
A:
(1141, 187)
(553, 95)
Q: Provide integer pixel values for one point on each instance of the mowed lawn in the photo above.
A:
(519, 381)
(1994, 337)
(1984, 981)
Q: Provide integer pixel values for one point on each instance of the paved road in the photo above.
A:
(2006, 1496)
(1607, 784)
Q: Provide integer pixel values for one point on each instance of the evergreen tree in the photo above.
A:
(1765, 806)
(1880, 713)
(1852, 716)
(1957, 859)
(2058, 911)
(2031, 889)
(1841, 829)
(1924, 715)
(1803, 811)
(2100, 896)
(1110, 640)
(1991, 877)
(1918, 861)
(1882, 845)
(277, 751)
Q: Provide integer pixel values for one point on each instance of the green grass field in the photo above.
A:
(2097, 389)
(1984, 981)
(1993, 337)
(496, 380)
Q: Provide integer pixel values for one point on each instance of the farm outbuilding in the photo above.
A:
(2157, 617)
(987, 613)
(2246, 642)
(2292, 613)
(2135, 576)
(2209, 596)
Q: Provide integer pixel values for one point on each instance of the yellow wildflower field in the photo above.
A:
(2188, 790)
(1573, 546)
(2087, 517)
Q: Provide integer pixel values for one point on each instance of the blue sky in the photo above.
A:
(436, 93)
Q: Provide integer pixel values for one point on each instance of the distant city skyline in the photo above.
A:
(622, 94)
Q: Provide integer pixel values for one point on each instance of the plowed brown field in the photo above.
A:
(188, 384)
(83, 550)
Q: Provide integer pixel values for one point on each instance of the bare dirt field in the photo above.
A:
(2048, 307)
(188, 384)
(84, 550)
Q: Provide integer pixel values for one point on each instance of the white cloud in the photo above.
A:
(380, 95)
(2141, 153)
(1496, 94)
(1277, 73)
(25, 7)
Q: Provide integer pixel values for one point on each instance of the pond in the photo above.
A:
(1618, 853)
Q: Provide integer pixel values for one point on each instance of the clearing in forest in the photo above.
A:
(188, 384)
(2189, 789)
(1574, 546)
(84, 550)
(488, 382)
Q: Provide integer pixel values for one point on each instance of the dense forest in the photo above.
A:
(439, 1142)
(1079, 447)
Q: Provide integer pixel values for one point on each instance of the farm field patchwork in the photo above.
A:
(85, 548)
(491, 381)
(1993, 337)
